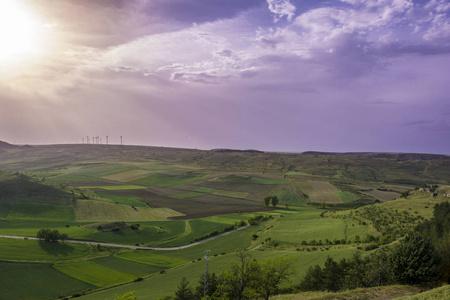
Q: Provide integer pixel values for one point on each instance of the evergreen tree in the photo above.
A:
(184, 291)
(313, 280)
(213, 282)
(415, 260)
(333, 275)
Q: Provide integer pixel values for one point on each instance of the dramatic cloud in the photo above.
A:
(348, 75)
(281, 8)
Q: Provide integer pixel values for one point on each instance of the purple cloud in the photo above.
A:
(349, 75)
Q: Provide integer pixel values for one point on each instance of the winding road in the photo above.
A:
(70, 241)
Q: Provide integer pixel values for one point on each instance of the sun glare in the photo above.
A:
(18, 31)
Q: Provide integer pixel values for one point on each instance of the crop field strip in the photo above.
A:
(127, 266)
(33, 211)
(36, 281)
(125, 200)
(93, 273)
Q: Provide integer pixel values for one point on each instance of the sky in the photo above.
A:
(272, 75)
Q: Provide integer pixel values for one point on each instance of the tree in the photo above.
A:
(48, 235)
(275, 201)
(332, 275)
(377, 269)
(184, 291)
(415, 260)
(267, 200)
(212, 285)
(313, 280)
(271, 273)
(238, 280)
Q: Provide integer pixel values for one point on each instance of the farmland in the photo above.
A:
(163, 197)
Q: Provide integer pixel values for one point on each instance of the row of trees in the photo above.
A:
(413, 261)
(274, 200)
(245, 278)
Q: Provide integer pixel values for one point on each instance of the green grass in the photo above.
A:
(169, 180)
(99, 170)
(116, 187)
(88, 210)
(187, 195)
(147, 233)
(70, 178)
(151, 259)
(199, 228)
(30, 227)
(30, 281)
(206, 190)
(34, 211)
(125, 200)
(248, 179)
(287, 197)
(231, 194)
(127, 266)
(383, 195)
(439, 293)
(4, 209)
(380, 292)
(225, 244)
(347, 197)
(92, 273)
(308, 226)
(164, 284)
(28, 250)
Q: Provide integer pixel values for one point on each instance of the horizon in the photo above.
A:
(285, 76)
(228, 149)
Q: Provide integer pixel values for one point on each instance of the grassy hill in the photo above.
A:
(173, 197)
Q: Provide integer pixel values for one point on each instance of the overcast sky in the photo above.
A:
(275, 75)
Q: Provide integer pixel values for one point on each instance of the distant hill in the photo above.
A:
(397, 168)
(5, 145)
(390, 155)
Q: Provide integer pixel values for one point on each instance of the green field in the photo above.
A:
(308, 226)
(249, 179)
(288, 197)
(4, 209)
(98, 169)
(198, 228)
(346, 197)
(125, 200)
(163, 284)
(169, 180)
(33, 211)
(88, 210)
(187, 195)
(149, 233)
(116, 187)
(127, 266)
(70, 178)
(22, 250)
(93, 273)
(36, 281)
(150, 258)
